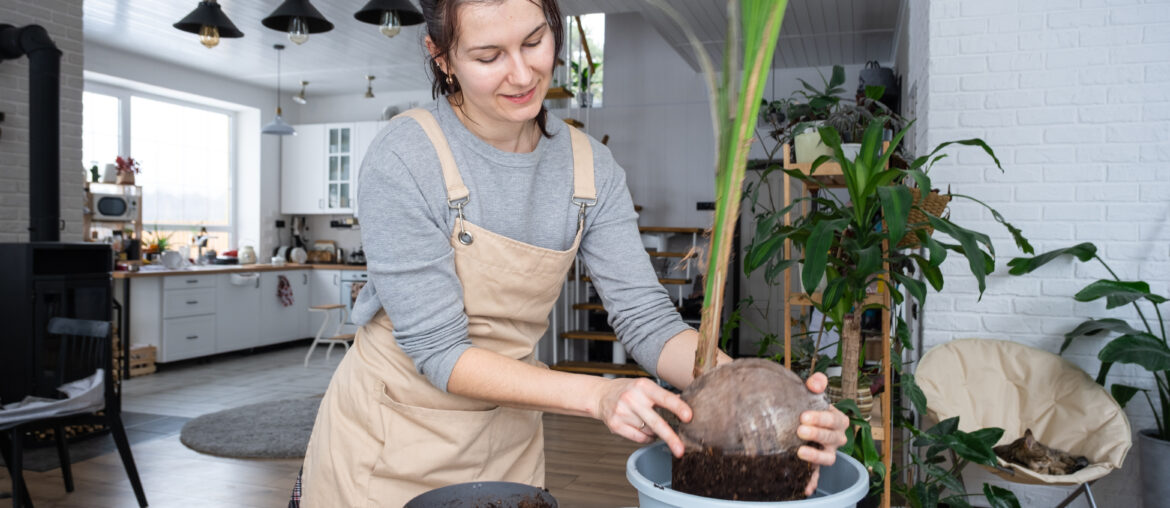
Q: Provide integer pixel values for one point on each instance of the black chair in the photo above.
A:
(80, 348)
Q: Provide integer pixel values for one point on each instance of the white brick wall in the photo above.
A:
(1074, 95)
(62, 19)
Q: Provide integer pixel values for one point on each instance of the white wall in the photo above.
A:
(258, 156)
(1074, 95)
(62, 19)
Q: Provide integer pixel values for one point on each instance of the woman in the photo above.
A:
(474, 208)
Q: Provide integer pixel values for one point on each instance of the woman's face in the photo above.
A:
(503, 58)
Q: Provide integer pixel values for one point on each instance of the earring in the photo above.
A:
(450, 81)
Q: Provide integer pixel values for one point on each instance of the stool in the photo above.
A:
(333, 338)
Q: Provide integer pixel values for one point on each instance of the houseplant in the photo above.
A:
(1146, 347)
(127, 168)
(734, 108)
(852, 241)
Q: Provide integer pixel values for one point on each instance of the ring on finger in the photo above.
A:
(643, 426)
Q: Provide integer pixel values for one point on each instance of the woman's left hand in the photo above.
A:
(824, 427)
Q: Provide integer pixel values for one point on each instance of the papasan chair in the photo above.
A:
(997, 383)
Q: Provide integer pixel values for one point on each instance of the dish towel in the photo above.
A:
(284, 291)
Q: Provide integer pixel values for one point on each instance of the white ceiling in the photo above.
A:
(815, 33)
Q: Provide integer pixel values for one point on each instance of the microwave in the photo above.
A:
(115, 207)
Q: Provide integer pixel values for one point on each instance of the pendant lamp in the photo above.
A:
(299, 18)
(209, 21)
(369, 87)
(300, 98)
(278, 126)
(389, 15)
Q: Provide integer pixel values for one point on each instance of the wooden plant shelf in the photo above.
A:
(588, 306)
(803, 299)
(667, 229)
(559, 92)
(583, 335)
(620, 369)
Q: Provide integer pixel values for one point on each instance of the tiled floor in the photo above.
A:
(585, 463)
(198, 387)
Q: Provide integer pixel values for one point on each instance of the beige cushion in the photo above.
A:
(997, 383)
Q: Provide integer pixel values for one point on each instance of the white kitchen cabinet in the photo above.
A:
(188, 337)
(364, 134)
(302, 178)
(186, 315)
(320, 166)
(339, 159)
(280, 323)
(237, 319)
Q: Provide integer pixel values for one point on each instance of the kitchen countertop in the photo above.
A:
(212, 269)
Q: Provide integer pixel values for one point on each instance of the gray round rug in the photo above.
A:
(269, 430)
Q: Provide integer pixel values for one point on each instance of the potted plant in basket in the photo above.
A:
(1146, 347)
(127, 168)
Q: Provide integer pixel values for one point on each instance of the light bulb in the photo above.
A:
(390, 25)
(209, 36)
(297, 31)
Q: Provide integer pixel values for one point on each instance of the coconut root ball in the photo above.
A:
(742, 442)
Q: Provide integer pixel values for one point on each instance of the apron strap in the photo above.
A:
(457, 193)
(584, 190)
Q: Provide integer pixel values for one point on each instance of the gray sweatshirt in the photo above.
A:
(406, 224)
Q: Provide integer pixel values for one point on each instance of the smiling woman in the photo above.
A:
(473, 209)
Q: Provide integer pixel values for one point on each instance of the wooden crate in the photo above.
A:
(142, 361)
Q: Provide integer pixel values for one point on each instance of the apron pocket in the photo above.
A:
(426, 448)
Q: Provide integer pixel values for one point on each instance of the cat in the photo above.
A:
(1032, 454)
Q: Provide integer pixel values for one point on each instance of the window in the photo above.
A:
(186, 159)
(185, 151)
(587, 84)
(101, 130)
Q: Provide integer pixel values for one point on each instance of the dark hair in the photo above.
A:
(441, 21)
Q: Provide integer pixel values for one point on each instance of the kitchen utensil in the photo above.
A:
(171, 259)
(298, 255)
(248, 255)
(277, 261)
(357, 257)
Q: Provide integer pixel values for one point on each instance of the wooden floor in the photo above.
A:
(585, 463)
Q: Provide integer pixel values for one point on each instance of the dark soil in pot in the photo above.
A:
(742, 443)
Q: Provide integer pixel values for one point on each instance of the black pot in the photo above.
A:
(477, 494)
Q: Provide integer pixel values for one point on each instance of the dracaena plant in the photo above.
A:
(1146, 346)
(852, 242)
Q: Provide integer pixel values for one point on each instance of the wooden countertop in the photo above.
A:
(215, 269)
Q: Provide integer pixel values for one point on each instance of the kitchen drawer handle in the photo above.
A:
(192, 302)
(192, 337)
(192, 281)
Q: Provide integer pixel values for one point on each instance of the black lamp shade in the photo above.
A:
(280, 18)
(372, 12)
(209, 14)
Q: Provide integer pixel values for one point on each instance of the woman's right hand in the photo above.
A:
(627, 408)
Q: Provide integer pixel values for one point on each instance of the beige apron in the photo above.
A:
(384, 434)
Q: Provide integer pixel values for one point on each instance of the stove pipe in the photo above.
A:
(44, 125)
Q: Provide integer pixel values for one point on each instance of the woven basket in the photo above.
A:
(936, 204)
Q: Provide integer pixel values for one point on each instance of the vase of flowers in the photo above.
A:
(127, 168)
